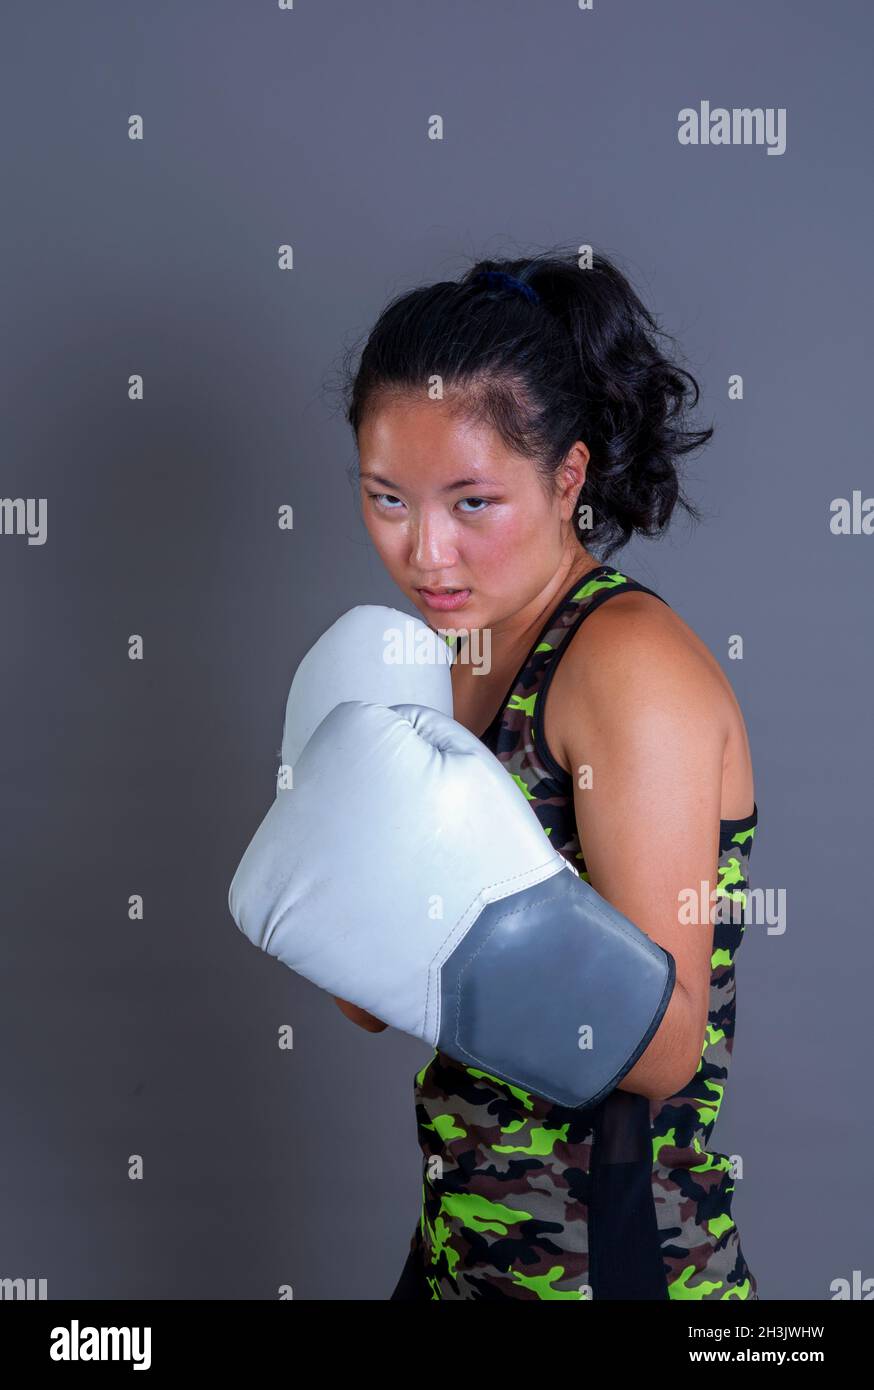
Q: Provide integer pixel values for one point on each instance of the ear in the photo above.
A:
(571, 477)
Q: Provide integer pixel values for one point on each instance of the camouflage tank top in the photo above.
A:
(523, 1198)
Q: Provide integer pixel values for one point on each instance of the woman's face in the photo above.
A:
(448, 506)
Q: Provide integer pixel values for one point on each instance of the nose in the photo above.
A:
(432, 548)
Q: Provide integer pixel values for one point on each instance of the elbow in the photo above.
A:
(678, 1072)
(374, 1025)
(682, 1057)
(667, 1083)
(367, 1021)
(659, 1080)
(673, 1066)
(670, 1083)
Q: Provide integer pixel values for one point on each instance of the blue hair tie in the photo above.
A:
(500, 277)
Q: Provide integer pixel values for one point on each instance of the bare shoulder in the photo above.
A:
(634, 652)
(638, 634)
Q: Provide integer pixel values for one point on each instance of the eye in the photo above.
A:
(376, 499)
(381, 501)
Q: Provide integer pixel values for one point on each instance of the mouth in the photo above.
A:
(444, 598)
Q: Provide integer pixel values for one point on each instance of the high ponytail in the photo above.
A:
(548, 352)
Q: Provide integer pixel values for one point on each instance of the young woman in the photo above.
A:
(512, 427)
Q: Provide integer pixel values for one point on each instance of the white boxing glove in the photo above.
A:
(371, 653)
(407, 874)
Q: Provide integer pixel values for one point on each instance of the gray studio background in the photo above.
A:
(263, 127)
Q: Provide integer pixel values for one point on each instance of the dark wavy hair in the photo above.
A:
(578, 359)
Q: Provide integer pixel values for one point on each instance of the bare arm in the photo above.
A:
(360, 1016)
(645, 713)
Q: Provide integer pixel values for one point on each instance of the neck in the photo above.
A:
(511, 638)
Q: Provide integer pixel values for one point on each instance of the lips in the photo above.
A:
(443, 599)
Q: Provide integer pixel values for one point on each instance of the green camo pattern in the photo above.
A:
(506, 1173)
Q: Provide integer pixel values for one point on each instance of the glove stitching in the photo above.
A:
(463, 925)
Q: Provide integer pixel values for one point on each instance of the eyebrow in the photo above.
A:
(450, 487)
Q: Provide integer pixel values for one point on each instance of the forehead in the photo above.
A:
(427, 441)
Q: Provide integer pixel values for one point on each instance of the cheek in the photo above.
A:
(392, 545)
(519, 532)
(386, 539)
